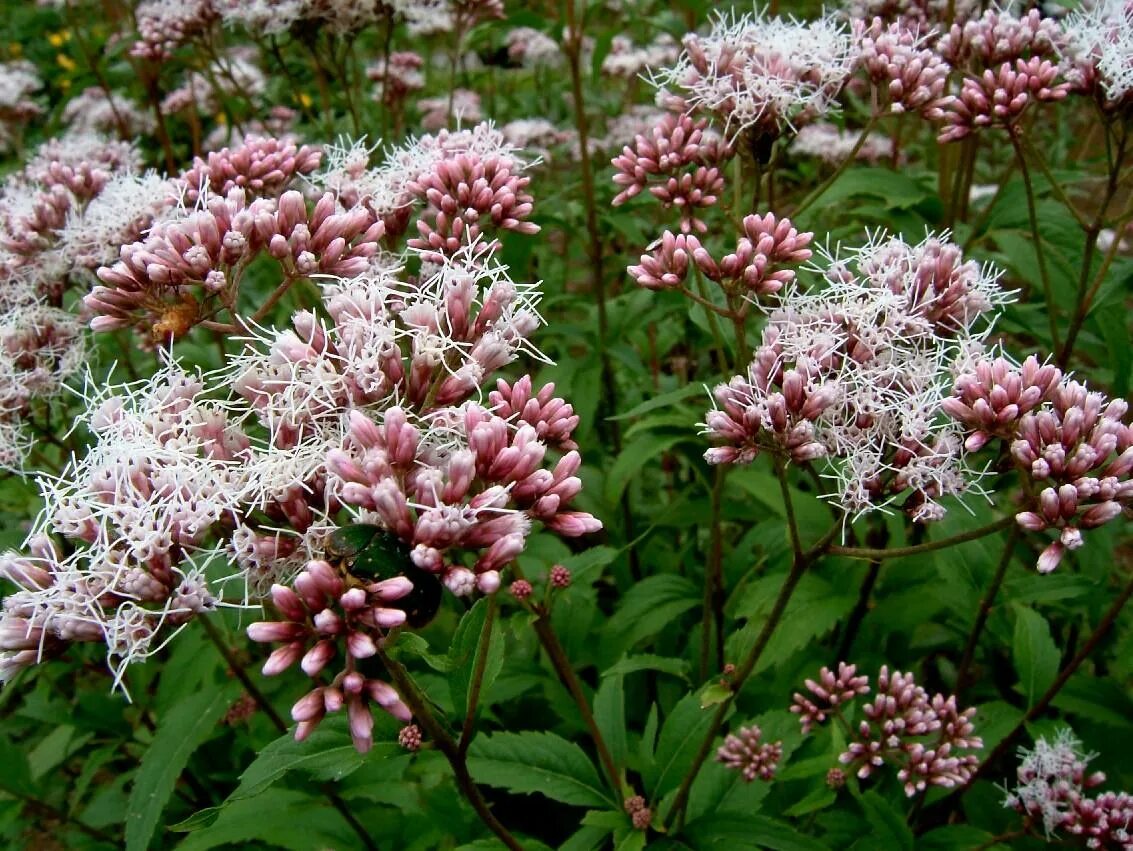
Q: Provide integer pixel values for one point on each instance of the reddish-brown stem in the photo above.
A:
(419, 705)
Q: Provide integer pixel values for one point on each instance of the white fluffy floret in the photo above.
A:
(754, 71)
(1100, 37)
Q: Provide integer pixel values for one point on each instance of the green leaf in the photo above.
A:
(538, 762)
(282, 818)
(1035, 653)
(897, 189)
(179, 732)
(664, 400)
(734, 830)
(889, 827)
(324, 755)
(649, 662)
(465, 650)
(635, 457)
(680, 739)
(585, 563)
(610, 715)
(648, 607)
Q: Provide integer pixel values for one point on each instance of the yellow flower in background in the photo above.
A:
(304, 99)
(65, 62)
(60, 38)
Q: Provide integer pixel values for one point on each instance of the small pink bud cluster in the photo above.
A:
(520, 589)
(409, 737)
(911, 76)
(263, 166)
(639, 812)
(992, 397)
(829, 692)
(745, 752)
(553, 419)
(560, 576)
(323, 617)
(1078, 449)
(924, 736)
(774, 407)
(999, 36)
(998, 98)
(1052, 788)
(465, 193)
(686, 160)
(396, 79)
(766, 245)
(210, 250)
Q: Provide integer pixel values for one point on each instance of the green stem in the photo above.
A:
(253, 690)
(1040, 255)
(985, 610)
(816, 193)
(417, 702)
(900, 552)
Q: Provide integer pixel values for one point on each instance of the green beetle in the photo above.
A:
(370, 553)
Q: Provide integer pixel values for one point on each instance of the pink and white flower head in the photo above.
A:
(1097, 41)
(92, 111)
(855, 373)
(135, 507)
(918, 15)
(163, 27)
(1053, 788)
(759, 75)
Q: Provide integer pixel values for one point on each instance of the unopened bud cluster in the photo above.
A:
(927, 738)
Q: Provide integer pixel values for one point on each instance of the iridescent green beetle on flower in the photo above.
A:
(370, 553)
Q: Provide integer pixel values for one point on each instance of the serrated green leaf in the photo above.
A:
(647, 608)
(327, 754)
(889, 829)
(538, 762)
(180, 732)
(1035, 653)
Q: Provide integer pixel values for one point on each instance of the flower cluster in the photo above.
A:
(745, 751)
(925, 736)
(760, 76)
(324, 615)
(910, 76)
(1053, 788)
(856, 372)
(1071, 443)
(1097, 40)
(687, 159)
(998, 98)
(136, 508)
